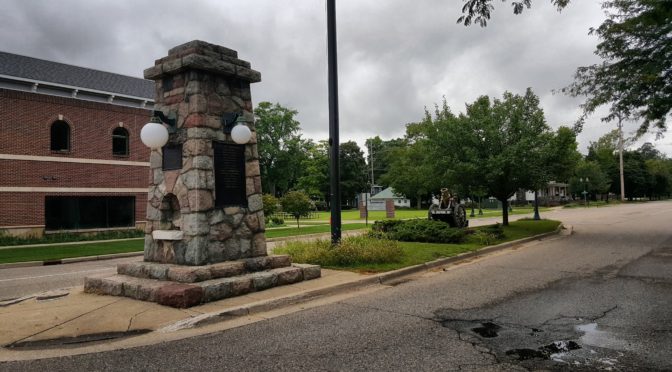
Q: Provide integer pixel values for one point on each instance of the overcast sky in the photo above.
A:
(395, 56)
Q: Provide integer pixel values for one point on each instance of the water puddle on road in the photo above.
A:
(595, 337)
(487, 330)
(553, 351)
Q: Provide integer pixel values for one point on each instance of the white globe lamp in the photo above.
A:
(154, 135)
(241, 134)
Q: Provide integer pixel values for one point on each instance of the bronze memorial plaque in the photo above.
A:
(172, 157)
(229, 175)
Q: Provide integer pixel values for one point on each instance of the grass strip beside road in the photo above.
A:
(420, 213)
(417, 253)
(414, 253)
(306, 230)
(57, 252)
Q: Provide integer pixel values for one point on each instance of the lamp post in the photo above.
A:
(536, 205)
(334, 166)
(585, 193)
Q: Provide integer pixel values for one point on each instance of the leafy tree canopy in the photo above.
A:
(353, 171)
(589, 177)
(281, 148)
(271, 204)
(315, 178)
(479, 11)
(635, 77)
(497, 146)
(297, 203)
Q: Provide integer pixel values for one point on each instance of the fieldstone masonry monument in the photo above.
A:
(205, 224)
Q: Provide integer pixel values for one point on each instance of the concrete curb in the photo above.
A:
(382, 278)
(82, 242)
(69, 260)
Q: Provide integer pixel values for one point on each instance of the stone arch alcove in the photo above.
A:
(171, 218)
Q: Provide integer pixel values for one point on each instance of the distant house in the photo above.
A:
(389, 193)
(377, 201)
(553, 193)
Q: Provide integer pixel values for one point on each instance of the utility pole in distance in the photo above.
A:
(373, 182)
(333, 124)
(620, 156)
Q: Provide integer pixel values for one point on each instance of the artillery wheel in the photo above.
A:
(432, 208)
(459, 217)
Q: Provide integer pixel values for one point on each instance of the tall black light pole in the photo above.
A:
(333, 124)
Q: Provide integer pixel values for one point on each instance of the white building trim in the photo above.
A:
(120, 190)
(57, 159)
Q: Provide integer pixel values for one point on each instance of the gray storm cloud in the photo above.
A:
(395, 57)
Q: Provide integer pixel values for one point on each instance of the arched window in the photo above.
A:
(60, 136)
(119, 141)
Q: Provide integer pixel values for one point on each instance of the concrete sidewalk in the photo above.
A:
(72, 322)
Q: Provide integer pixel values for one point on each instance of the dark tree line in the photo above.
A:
(289, 162)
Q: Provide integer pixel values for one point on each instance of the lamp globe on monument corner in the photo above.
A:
(241, 134)
(154, 135)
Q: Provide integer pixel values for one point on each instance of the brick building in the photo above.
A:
(70, 151)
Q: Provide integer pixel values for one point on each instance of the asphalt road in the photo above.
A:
(24, 281)
(596, 300)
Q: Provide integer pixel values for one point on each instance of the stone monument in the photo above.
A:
(205, 223)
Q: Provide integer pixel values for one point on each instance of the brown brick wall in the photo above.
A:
(27, 209)
(25, 120)
(20, 173)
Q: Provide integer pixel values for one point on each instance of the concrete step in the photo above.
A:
(194, 274)
(184, 295)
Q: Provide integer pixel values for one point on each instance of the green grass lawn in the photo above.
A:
(414, 253)
(419, 213)
(305, 230)
(418, 253)
(56, 252)
(598, 203)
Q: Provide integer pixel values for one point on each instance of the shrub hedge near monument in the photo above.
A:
(425, 231)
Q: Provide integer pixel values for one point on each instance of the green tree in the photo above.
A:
(660, 173)
(604, 153)
(271, 204)
(498, 145)
(635, 75)
(353, 171)
(560, 158)
(315, 178)
(479, 11)
(590, 177)
(298, 204)
(563, 155)
(635, 175)
(281, 149)
(411, 172)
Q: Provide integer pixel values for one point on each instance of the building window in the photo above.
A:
(120, 141)
(88, 212)
(60, 136)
